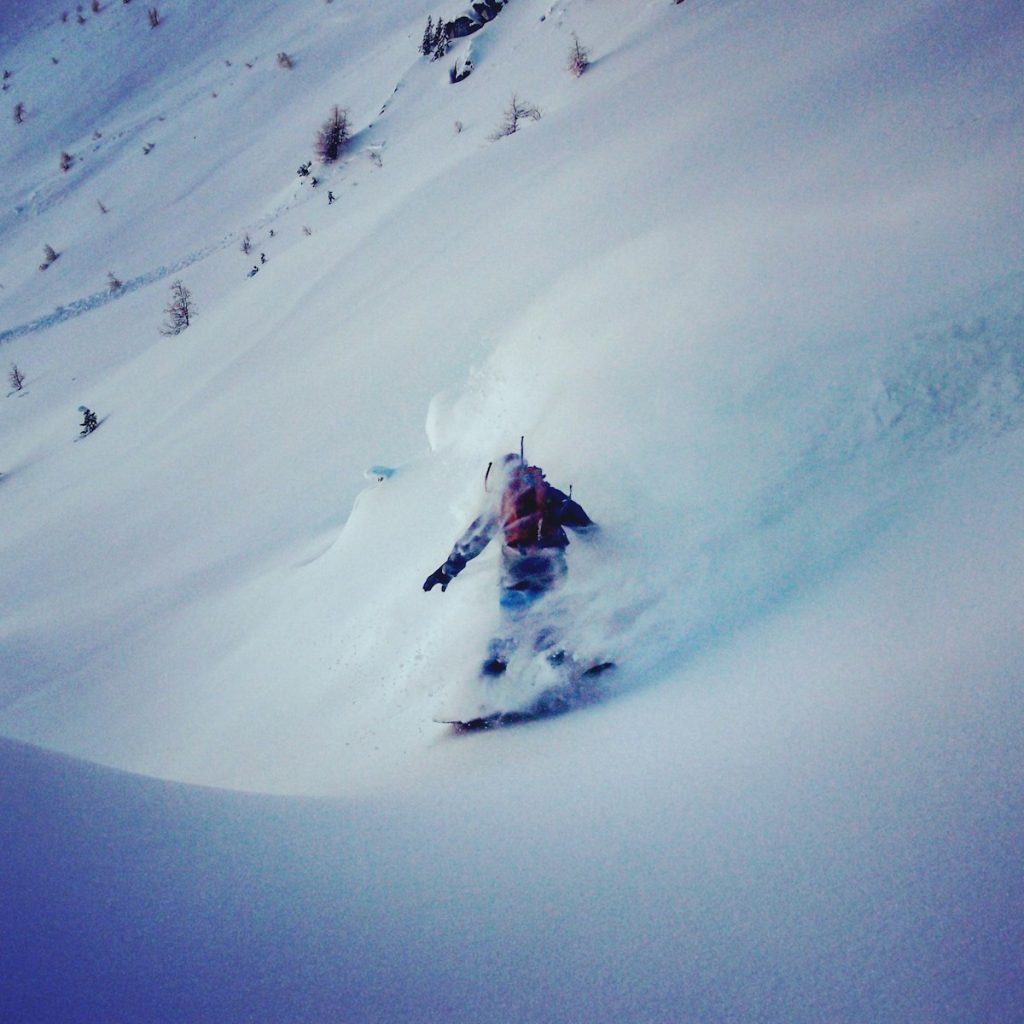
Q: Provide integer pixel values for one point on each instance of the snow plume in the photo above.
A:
(721, 495)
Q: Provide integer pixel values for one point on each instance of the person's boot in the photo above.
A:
(498, 654)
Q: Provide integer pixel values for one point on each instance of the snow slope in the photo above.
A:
(752, 285)
(777, 837)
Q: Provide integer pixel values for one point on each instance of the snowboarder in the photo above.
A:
(252, 273)
(89, 421)
(532, 516)
(330, 198)
(263, 258)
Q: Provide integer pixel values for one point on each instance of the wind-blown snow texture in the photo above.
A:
(752, 285)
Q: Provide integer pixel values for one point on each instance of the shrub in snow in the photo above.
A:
(19, 113)
(332, 137)
(246, 245)
(16, 377)
(66, 161)
(579, 57)
(179, 310)
(112, 282)
(154, 17)
(515, 113)
(96, 7)
(50, 256)
(284, 61)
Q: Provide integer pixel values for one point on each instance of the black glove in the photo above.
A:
(438, 576)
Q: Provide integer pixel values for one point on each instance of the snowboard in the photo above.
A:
(578, 687)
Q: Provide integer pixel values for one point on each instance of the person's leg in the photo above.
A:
(526, 578)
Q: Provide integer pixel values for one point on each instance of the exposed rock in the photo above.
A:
(474, 19)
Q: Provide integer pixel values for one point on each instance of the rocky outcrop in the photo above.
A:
(474, 19)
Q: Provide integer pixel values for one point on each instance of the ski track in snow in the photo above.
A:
(90, 302)
(79, 307)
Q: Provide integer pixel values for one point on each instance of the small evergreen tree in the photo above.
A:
(440, 41)
(333, 136)
(66, 161)
(113, 283)
(50, 256)
(179, 310)
(579, 57)
(427, 43)
(19, 113)
(154, 17)
(16, 377)
(89, 420)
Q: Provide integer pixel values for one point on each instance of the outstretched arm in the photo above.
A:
(466, 548)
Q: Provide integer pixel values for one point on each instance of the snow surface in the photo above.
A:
(752, 285)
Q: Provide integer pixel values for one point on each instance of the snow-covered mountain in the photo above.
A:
(751, 284)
